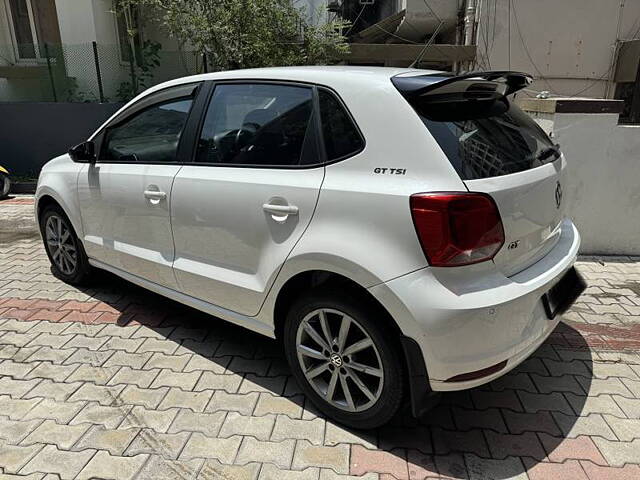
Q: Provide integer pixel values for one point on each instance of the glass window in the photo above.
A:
(341, 136)
(486, 138)
(42, 15)
(151, 136)
(258, 124)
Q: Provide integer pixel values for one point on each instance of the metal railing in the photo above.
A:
(89, 72)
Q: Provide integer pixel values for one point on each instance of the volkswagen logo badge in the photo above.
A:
(558, 194)
(336, 360)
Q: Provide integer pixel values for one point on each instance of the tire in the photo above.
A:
(383, 356)
(5, 185)
(70, 267)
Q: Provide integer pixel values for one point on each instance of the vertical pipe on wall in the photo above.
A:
(49, 69)
(96, 59)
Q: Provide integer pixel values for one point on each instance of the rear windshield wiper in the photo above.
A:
(545, 153)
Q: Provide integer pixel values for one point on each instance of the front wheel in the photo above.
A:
(68, 259)
(344, 358)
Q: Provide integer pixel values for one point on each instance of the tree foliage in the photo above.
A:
(250, 33)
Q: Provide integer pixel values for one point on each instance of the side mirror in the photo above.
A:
(83, 152)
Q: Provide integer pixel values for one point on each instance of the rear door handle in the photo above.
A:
(280, 210)
(154, 194)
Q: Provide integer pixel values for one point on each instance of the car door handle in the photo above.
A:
(155, 194)
(281, 210)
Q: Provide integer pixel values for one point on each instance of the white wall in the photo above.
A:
(571, 42)
(604, 179)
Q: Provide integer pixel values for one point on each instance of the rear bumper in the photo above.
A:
(471, 318)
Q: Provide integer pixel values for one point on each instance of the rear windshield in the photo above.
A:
(486, 138)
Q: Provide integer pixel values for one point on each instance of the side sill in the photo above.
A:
(249, 323)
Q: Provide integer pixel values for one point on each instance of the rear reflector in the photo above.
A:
(485, 372)
(457, 228)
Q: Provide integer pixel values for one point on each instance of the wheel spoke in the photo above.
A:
(322, 316)
(316, 336)
(65, 236)
(347, 392)
(310, 352)
(315, 371)
(331, 389)
(358, 346)
(55, 254)
(51, 233)
(344, 332)
(376, 372)
(57, 220)
(360, 384)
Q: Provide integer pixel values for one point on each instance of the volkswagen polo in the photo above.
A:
(400, 231)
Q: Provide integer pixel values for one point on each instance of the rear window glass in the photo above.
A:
(486, 138)
(341, 136)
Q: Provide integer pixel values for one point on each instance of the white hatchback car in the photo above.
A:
(401, 231)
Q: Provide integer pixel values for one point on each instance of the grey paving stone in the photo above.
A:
(89, 373)
(16, 408)
(232, 402)
(52, 460)
(336, 434)
(118, 467)
(13, 457)
(154, 419)
(207, 423)
(130, 376)
(83, 341)
(270, 403)
(158, 468)
(254, 383)
(158, 345)
(286, 428)
(271, 472)
(214, 470)
(626, 429)
(167, 445)
(201, 446)
(124, 359)
(196, 401)
(53, 390)
(278, 453)
(535, 402)
(15, 369)
(171, 362)
(115, 441)
(237, 424)
(169, 378)
(308, 455)
(212, 381)
(584, 405)
(60, 412)
(147, 397)
(482, 468)
(14, 431)
(618, 454)
(90, 357)
(216, 365)
(17, 388)
(126, 344)
(57, 373)
(108, 416)
(46, 354)
(103, 394)
(630, 406)
(592, 425)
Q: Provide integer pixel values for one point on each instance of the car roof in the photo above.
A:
(331, 76)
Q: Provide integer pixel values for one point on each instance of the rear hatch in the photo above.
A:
(499, 150)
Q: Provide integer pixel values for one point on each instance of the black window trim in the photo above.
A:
(317, 120)
(159, 97)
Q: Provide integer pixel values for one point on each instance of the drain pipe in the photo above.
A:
(469, 22)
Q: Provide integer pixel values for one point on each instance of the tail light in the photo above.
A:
(457, 228)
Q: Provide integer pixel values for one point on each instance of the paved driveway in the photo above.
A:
(116, 382)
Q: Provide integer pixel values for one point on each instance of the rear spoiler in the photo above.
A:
(415, 86)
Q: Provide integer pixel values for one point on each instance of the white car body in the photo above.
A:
(208, 242)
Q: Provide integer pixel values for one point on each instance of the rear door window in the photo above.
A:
(486, 138)
(341, 136)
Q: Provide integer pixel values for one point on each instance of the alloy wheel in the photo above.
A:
(339, 360)
(61, 244)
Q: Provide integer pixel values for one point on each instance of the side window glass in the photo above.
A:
(257, 124)
(341, 136)
(151, 136)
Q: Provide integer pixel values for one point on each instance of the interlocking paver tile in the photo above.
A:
(506, 399)
(611, 386)
(118, 467)
(90, 373)
(212, 381)
(335, 434)
(54, 390)
(570, 470)
(168, 445)
(470, 419)
(530, 422)
(196, 401)
(594, 472)
(141, 417)
(536, 402)
(125, 359)
(582, 448)
(236, 402)
(14, 457)
(407, 436)
(158, 468)
(592, 425)
(49, 432)
(52, 460)
(364, 461)
(630, 406)
(445, 441)
(14, 431)
(254, 383)
(521, 445)
(258, 427)
(278, 453)
(626, 429)
(215, 365)
(57, 373)
(61, 412)
(214, 470)
(17, 388)
(171, 362)
(207, 423)
(201, 446)
(103, 394)
(98, 414)
(285, 427)
(169, 378)
(270, 403)
(115, 441)
(484, 468)
(147, 397)
(328, 474)
(131, 376)
(91, 357)
(271, 472)
(16, 408)
(584, 405)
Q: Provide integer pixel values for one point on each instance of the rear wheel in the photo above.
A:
(5, 185)
(343, 357)
(68, 259)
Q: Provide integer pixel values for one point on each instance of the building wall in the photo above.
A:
(603, 190)
(570, 42)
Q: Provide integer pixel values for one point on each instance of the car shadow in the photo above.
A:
(495, 431)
